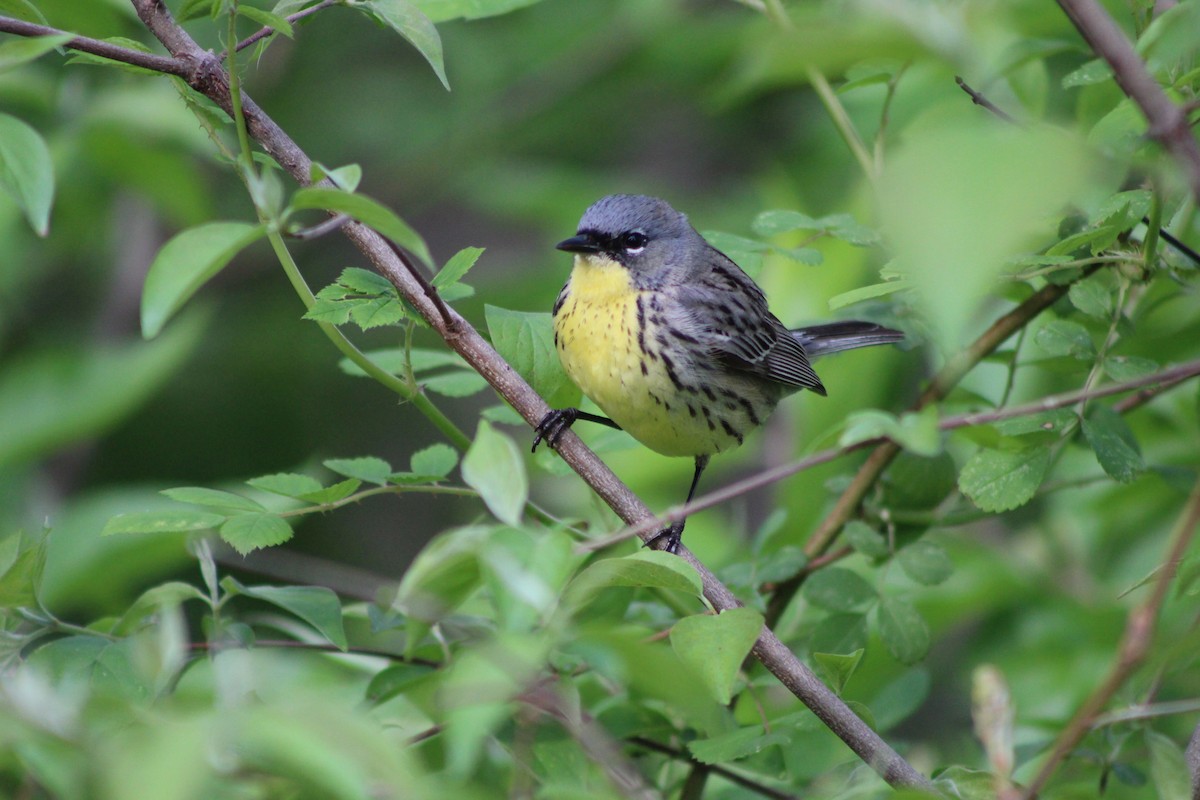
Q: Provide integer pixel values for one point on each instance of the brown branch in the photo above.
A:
(204, 73)
(954, 370)
(1135, 643)
(979, 100)
(266, 31)
(1168, 123)
(1146, 386)
(715, 769)
(97, 47)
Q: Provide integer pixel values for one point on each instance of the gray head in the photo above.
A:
(641, 233)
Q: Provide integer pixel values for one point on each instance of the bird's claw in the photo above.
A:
(553, 426)
(670, 539)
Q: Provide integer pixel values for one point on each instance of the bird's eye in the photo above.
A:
(633, 241)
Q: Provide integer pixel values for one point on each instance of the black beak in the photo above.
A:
(583, 243)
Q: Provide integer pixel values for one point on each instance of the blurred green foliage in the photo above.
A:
(466, 645)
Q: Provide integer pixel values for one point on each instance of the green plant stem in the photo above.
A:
(1150, 246)
(842, 121)
(406, 390)
(235, 97)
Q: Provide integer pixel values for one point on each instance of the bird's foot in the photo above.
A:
(668, 539)
(553, 426)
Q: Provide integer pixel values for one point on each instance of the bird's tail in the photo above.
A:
(821, 340)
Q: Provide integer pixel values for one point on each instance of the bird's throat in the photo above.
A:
(598, 279)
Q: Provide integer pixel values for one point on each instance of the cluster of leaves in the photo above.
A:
(506, 654)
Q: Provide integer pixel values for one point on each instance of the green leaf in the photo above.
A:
(914, 431)
(736, 744)
(1127, 368)
(63, 396)
(247, 532)
(345, 177)
(407, 20)
(443, 10)
(900, 698)
(442, 575)
(395, 680)
(526, 340)
(377, 312)
(169, 594)
(865, 539)
(21, 51)
(903, 630)
(770, 223)
(23, 9)
(1095, 71)
(1001, 480)
(21, 563)
(437, 459)
(287, 484)
(919, 482)
(332, 493)
(1113, 443)
(1093, 295)
(1168, 767)
(368, 469)
(457, 267)
(868, 293)
(925, 562)
(494, 467)
(200, 496)
(185, 263)
(456, 383)
(367, 211)
(715, 646)
(838, 668)
(1052, 423)
(316, 605)
(26, 171)
(838, 589)
(649, 568)
(162, 522)
(839, 633)
(1062, 337)
(266, 19)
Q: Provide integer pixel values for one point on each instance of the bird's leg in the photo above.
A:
(673, 534)
(555, 423)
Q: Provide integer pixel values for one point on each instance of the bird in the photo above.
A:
(673, 341)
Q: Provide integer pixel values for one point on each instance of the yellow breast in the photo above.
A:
(608, 347)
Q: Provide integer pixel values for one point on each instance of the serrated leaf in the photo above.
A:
(437, 459)
(925, 562)
(735, 744)
(1093, 297)
(838, 589)
(770, 223)
(377, 312)
(332, 493)
(316, 605)
(332, 311)
(407, 20)
(369, 469)
(457, 267)
(1062, 337)
(715, 646)
(162, 522)
(1054, 422)
(201, 496)
(185, 263)
(367, 211)
(865, 539)
(1113, 443)
(266, 19)
(494, 467)
(903, 630)
(287, 484)
(1000, 480)
(366, 282)
(526, 340)
(26, 171)
(838, 668)
(1127, 368)
(1094, 240)
(247, 532)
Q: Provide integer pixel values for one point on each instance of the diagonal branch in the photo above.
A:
(1135, 643)
(1168, 122)
(209, 78)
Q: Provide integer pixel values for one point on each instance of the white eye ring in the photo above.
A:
(634, 241)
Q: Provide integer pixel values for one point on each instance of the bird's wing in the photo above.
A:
(729, 315)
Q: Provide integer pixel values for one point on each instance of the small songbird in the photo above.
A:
(673, 341)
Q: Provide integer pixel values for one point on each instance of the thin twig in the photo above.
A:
(1135, 643)
(716, 769)
(979, 100)
(1157, 380)
(291, 18)
(126, 55)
